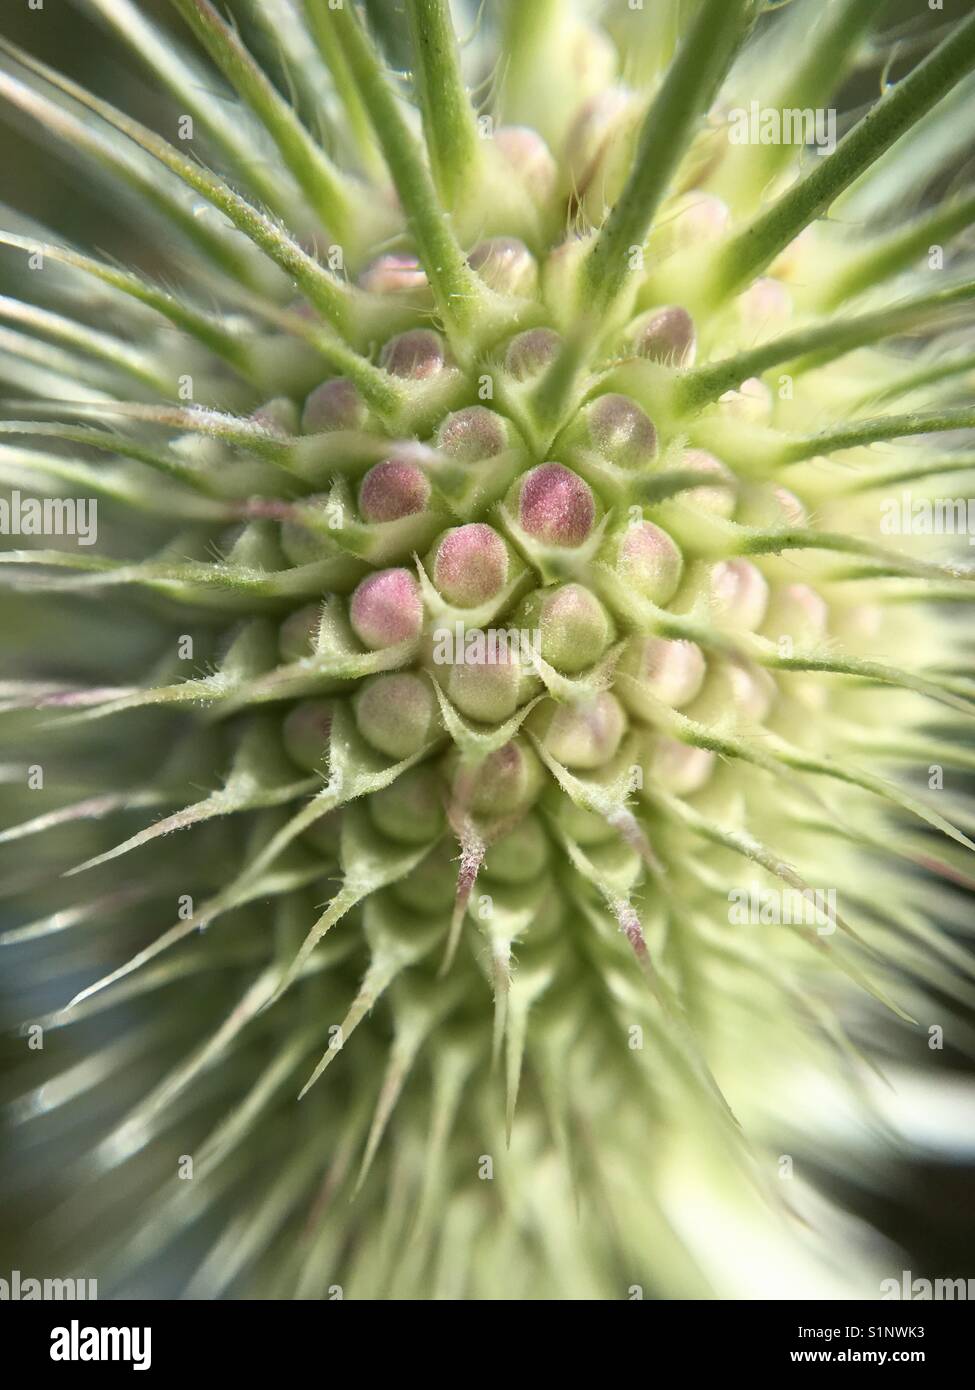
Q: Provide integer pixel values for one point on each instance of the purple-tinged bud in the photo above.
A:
(506, 782)
(397, 713)
(555, 506)
(739, 594)
(307, 730)
(386, 608)
(530, 353)
(647, 560)
(304, 545)
(393, 489)
(769, 506)
(299, 633)
(279, 416)
(473, 434)
(752, 402)
(679, 768)
(693, 219)
(521, 856)
(765, 306)
(488, 685)
(719, 501)
(597, 147)
(335, 405)
(796, 611)
(529, 157)
(621, 431)
(583, 736)
(411, 809)
(415, 355)
(654, 671)
(469, 565)
(734, 693)
(574, 627)
(665, 335)
(506, 265)
(393, 274)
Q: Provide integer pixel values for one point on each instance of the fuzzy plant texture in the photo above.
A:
(488, 794)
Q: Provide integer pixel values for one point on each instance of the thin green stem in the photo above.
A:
(815, 345)
(457, 290)
(892, 561)
(875, 431)
(325, 188)
(526, 30)
(192, 84)
(887, 255)
(822, 53)
(701, 64)
(895, 113)
(79, 138)
(327, 42)
(950, 463)
(330, 297)
(118, 354)
(943, 371)
(555, 391)
(448, 117)
(206, 330)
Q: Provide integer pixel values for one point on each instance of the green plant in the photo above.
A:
(521, 342)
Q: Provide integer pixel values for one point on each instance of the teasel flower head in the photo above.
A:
(491, 633)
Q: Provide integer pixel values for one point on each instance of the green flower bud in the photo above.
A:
(505, 783)
(307, 730)
(736, 693)
(678, 768)
(531, 353)
(335, 405)
(654, 671)
(473, 434)
(397, 713)
(521, 856)
(489, 679)
(647, 560)
(620, 431)
(665, 335)
(431, 886)
(583, 736)
(411, 810)
(506, 265)
(574, 628)
(415, 355)
(298, 634)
